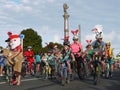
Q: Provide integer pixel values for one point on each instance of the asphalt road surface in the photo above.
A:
(39, 84)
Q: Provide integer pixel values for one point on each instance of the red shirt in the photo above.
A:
(29, 56)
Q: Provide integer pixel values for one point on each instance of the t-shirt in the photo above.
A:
(37, 58)
(66, 55)
(98, 45)
(89, 55)
(29, 56)
(75, 47)
(51, 59)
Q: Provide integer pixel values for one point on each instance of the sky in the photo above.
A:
(46, 18)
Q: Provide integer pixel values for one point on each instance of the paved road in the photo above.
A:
(38, 84)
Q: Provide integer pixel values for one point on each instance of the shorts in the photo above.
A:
(2, 64)
(110, 61)
(37, 62)
(42, 63)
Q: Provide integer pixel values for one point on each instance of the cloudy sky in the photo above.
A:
(46, 17)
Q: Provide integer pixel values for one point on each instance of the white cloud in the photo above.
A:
(17, 8)
(90, 37)
(45, 16)
(118, 37)
(56, 38)
(110, 36)
(51, 1)
(25, 1)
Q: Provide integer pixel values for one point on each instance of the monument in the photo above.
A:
(66, 23)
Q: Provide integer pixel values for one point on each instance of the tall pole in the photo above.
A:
(79, 33)
(66, 23)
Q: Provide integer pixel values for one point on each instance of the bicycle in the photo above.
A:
(26, 69)
(81, 69)
(96, 71)
(81, 66)
(108, 70)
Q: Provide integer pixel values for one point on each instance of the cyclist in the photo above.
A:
(109, 55)
(99, 45)
(51, 62)
(76, 48)
(29, 55)
(90, 52)
(67, 57)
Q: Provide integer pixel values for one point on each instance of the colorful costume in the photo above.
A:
(29, 57)
(14, 56)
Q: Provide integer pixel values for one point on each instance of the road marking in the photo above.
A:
(24, 80)
(2, 83)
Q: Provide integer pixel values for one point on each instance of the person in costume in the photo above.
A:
(99, 45)
(14, 57)
(76, 48)
(89, 51)
(29, 55)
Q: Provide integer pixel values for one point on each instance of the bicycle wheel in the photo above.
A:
(81, 71)
(107, 70)
(96, 75)
(23, 73)
(64, 77)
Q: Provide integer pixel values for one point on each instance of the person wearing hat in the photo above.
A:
(29, 55)
(89, 54)
(99, 45)
(75, 46)
(67, 57)
(109, 56)
(15, 57)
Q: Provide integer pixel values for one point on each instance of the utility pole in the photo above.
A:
(66, 23)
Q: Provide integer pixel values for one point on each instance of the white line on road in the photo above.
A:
(24, 80)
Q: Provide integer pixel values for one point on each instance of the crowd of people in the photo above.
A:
(49, 64)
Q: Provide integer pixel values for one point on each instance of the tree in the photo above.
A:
(32, 39)
(50, 45)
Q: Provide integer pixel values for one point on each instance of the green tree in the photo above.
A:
(50, 46)
(32, 39)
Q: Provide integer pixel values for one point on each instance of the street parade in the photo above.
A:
(76, 63)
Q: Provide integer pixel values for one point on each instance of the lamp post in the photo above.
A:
(66, 23)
